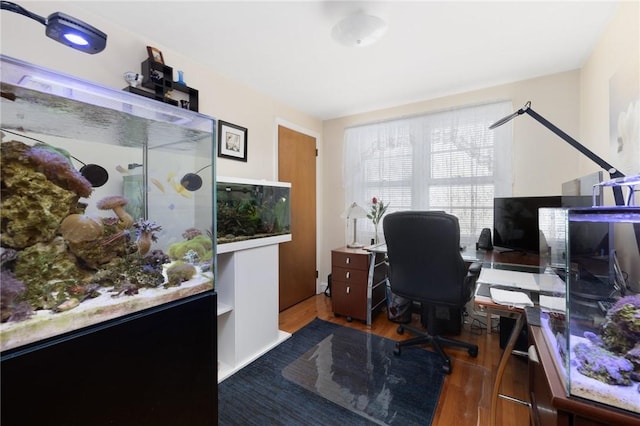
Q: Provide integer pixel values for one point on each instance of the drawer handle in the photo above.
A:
(347, 275)
(348, 289)
(347, 260)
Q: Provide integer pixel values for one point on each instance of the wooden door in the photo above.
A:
(297, 164)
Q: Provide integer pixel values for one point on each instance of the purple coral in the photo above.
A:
(191, 233)
(11, 309)
(59, 170)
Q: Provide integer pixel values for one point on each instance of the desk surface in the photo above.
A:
(490, 256)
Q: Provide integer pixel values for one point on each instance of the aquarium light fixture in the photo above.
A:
(65, 29)
(191, 181)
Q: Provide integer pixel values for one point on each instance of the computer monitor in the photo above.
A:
(515, 222)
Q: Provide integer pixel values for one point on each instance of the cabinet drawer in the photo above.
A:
(350, 260)
(349, 300)
(350, 275)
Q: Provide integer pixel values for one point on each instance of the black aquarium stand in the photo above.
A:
(157, 367)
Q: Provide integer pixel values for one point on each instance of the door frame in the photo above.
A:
(284, 123)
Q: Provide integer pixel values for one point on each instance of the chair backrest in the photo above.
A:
(425, 263)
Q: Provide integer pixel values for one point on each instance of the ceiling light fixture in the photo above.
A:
(65, 29)
(359, 30)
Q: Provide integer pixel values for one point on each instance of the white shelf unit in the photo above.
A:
(247, 287)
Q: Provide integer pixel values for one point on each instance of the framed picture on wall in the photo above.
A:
(232, 141)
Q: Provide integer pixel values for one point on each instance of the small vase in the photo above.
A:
(375, 225)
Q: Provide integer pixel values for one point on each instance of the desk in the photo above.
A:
(485, 303)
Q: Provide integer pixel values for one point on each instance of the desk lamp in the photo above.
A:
(613, 172)
(355, 212)
(65, 29)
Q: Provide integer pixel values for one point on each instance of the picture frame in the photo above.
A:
(232, 141)
(155, 54)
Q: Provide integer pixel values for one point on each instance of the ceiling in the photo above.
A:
(431, 49)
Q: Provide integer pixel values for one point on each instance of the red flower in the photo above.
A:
(374, 200)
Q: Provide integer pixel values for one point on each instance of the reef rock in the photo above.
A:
(621, 329)
(50, 273)
(32, 206)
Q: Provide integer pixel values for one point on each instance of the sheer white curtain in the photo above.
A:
(447, 161)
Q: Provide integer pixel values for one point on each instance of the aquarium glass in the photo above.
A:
(248, 209)
(597, 339)
(96, 221)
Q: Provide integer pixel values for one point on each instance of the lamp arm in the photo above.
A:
(12, 7)
(613, 172)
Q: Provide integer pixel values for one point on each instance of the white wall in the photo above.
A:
(220, 97)
(617, 51)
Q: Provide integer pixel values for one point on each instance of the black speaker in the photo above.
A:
(484, 242)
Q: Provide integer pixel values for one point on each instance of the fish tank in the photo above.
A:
(97, 222)
(248, 209)
(595, 336)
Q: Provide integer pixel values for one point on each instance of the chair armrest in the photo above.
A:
(474, 268)
(470, 279)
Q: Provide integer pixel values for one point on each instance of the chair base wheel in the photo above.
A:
(446, 368)
(400, 330)
(473, 352)
(396, 350)
(349, 319)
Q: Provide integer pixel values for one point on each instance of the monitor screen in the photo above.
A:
(515, 222)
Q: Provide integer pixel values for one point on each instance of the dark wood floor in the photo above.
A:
(466, 395)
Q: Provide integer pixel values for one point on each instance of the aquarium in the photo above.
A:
(596, 338)
(251, 209)
(96, 221)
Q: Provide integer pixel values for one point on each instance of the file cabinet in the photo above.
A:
(358, 286)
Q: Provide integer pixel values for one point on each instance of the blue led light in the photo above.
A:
(76, 39)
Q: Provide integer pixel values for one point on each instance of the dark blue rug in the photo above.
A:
(326, 374)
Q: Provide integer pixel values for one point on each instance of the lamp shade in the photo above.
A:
(359, 30)
(355, 211)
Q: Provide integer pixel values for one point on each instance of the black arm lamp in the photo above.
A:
(65, 29)
(613, 172)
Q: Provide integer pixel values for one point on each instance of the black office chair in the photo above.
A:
(426, 266)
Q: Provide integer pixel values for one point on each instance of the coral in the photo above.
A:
(128, 274)
(59, 170)
(191, 233)
(114, 243)
(11, 308)
(634, 357)
(600, 364)
(117, 203)
(7, 256)
(32, 206)
(78, 228)
(621, 330)
(178, 273)
(146, 234)
(155, 259)
(201, 244)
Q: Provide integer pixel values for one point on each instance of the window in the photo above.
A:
(447, 161)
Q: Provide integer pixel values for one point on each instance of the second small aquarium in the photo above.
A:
(596, 338)
(250, 209)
